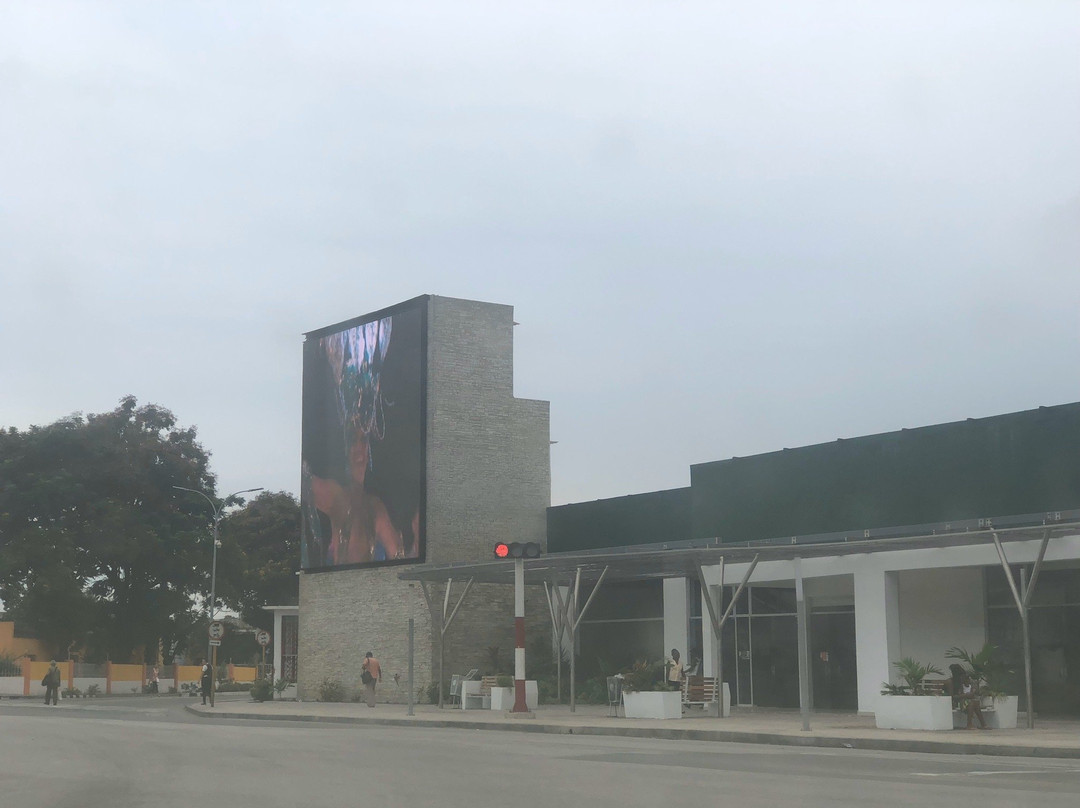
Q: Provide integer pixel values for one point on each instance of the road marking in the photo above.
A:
(991, 773)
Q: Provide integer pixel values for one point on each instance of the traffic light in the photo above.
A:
(517, 549)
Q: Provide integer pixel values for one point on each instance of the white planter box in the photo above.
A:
(914, 712)
(502, 698)
(652, 704)
(1003, 716)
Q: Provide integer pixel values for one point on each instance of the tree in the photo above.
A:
(95, 546)
(259, 556)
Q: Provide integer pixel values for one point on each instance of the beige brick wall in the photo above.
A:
(488, 479)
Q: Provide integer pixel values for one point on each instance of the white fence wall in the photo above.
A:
(11, 685)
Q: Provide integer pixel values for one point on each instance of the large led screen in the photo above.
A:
(363, 440)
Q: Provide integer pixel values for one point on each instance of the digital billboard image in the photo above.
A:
(362, 491)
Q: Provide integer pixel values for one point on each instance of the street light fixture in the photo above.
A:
(218, 513)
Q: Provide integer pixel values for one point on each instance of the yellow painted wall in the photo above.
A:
(243, 673)
(126, 673)
(21, 646)
(39, 669)
(188, 673)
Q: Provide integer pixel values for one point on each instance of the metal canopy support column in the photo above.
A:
(574, 617)
(444, 623)
(557, 630)
(718, 622)
(1022, 602)
(804, 661)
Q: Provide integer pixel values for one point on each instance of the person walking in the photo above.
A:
(206, 680)
(154, 680)
(371, 673)
(51, 682)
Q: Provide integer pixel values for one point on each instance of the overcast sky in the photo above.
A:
(725, 227)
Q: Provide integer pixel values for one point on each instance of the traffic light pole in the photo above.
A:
(519, 637)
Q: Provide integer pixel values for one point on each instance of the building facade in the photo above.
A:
(952, 484)
(487, 479)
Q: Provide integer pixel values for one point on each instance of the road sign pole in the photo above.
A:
(213, 674)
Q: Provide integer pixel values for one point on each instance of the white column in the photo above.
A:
(708, 654)
(877, 632)
(676, 617)
(277, 644)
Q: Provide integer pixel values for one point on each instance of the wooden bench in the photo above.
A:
(477, 695)
(699, 690)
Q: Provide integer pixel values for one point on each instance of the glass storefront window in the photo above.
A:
(772, 600)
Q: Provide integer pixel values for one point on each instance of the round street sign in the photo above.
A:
(262, 637)
(217, 630)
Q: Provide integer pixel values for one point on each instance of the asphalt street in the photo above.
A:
(113, 753)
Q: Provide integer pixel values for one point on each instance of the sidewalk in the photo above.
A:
(1052, 737)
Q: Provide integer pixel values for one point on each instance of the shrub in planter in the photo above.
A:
(332, 690)
(914, 675)
(644, 677)
(93, 690)
(912, 705)
(504, 680)
(262, 690)
(280, 686)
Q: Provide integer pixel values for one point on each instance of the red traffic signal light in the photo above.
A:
(517, 549)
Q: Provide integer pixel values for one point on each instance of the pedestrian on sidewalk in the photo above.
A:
(51, 682)
(371, 673)
(154, 680)
(206, 680)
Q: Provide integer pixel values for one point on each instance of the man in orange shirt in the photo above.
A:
(371, 674)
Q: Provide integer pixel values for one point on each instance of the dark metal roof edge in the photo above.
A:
(781, 549)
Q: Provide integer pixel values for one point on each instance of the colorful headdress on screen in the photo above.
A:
(357, 355)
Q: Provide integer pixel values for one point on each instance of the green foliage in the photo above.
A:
(643, 676)
(494, 664)
(592, 691)
(232, 687)
(504, 680)
(547, 690)
(989, 675)
(259, 557)
(98, 550)
(281, 685)
(262, 690)
(914, 674)
(332, 690)
(9, 665)
(71, 692)
(93, 690)
(431, 693)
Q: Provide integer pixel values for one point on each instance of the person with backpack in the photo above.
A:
(371, 674)
(52, 683)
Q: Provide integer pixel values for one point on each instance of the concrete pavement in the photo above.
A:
(89, 756)
(1051, 738)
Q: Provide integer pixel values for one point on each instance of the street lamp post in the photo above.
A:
(218, 510)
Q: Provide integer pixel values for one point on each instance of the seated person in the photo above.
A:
(965, 696)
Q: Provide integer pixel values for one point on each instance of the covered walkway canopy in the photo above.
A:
(687, 560)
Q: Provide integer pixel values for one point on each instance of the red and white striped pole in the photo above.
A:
(519, 637)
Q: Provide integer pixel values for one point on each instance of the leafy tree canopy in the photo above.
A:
(96, 547)
(259, 556)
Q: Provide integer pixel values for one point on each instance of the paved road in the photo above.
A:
(114, 753)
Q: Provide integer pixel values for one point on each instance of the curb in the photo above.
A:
(716, 736)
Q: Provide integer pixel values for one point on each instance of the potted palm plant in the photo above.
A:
(502, 695)
(647, 695)
(989, 676)
(913, 704)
